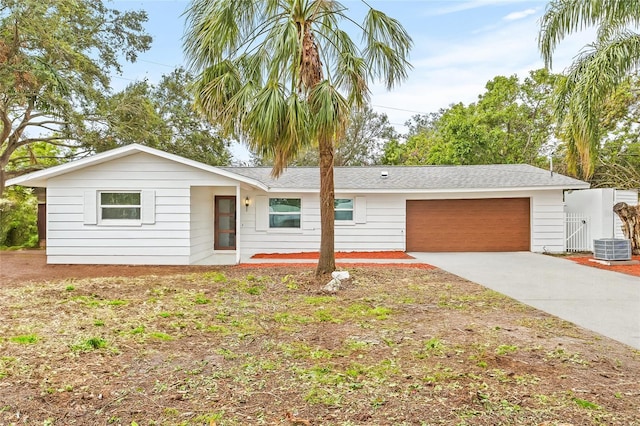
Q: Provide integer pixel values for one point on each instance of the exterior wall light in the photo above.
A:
(247, 202)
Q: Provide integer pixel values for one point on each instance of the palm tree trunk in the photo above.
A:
(327, 261)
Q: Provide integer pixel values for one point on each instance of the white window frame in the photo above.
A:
(352, 210)
(283, 228)
(119, 222)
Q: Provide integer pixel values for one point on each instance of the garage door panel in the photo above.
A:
(497, 224)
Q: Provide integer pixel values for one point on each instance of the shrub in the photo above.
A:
(18, 218)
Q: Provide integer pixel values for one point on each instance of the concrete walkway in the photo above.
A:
(602, 301)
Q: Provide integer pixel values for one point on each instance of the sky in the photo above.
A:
(459, 45)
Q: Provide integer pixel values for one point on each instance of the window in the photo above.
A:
(120, 206)
(343, 209)
(284, 212)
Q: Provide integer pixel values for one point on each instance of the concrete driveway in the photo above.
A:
(602, 301)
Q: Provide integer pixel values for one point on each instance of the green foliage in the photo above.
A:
(56, 58)
(361, 144)
(596, 73)
(90, 344)
(25, 339)
(618, 164)
(160, 116)
(510, 123)
(18, 218)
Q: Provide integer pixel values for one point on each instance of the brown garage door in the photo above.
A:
(493, 224)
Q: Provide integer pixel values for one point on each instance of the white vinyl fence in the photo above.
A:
(577, 232)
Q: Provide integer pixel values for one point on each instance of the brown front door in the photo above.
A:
(225, 223)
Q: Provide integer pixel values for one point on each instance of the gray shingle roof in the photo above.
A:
(415, 178)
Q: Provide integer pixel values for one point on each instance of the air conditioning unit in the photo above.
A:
(612, 249)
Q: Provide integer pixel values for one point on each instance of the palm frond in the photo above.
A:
(387, 48)
(564, 17)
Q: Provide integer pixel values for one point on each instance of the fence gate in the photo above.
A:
(577, 232)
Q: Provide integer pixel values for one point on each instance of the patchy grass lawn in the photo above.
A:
(241, 346)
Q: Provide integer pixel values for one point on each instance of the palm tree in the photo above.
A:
(282, 74)
(595, 73)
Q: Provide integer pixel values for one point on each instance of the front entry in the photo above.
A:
(225, 223)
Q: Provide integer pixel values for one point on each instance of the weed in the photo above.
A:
(116, 302)
(431, 347)
(319, 300)
(506, 349)
(323, 396)
(201, 299)
(289, 282)
(25, 339)
(69, 288)
(90, 344)
(586, 404)
(98, 323)
(326, 315)
(380, 312)
(138, 330)
(565, 356)
(253, 290)
(160, 336)
(215, 276)
(227, 354)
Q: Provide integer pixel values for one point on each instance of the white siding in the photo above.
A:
(385, 222)
(166, 239)
(547, 222)
(201, 223)
(383, 229)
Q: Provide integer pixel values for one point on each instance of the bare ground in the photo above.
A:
(97, 345)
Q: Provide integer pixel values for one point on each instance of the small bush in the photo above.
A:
(18, 218)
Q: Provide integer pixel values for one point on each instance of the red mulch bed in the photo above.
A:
(339, 255)
(339, 265)
(625, 269)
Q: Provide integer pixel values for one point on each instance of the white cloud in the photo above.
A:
(447, 72)
(460, 6)
(514, 16)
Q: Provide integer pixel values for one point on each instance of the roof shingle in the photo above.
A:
(429, 178)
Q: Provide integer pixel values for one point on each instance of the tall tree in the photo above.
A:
(618, 163)
(510, 123)
(160, 116)
(361, 144)
(283, 74)
(596, 72)
(55, 59)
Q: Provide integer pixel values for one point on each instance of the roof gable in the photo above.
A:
(40, 178)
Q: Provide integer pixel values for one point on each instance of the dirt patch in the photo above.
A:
(253, 345)
(338, 255)
(624, 269)
(31, 265)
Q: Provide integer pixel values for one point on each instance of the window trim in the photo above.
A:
(352, 210)
(119, 222)
(283, 228)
